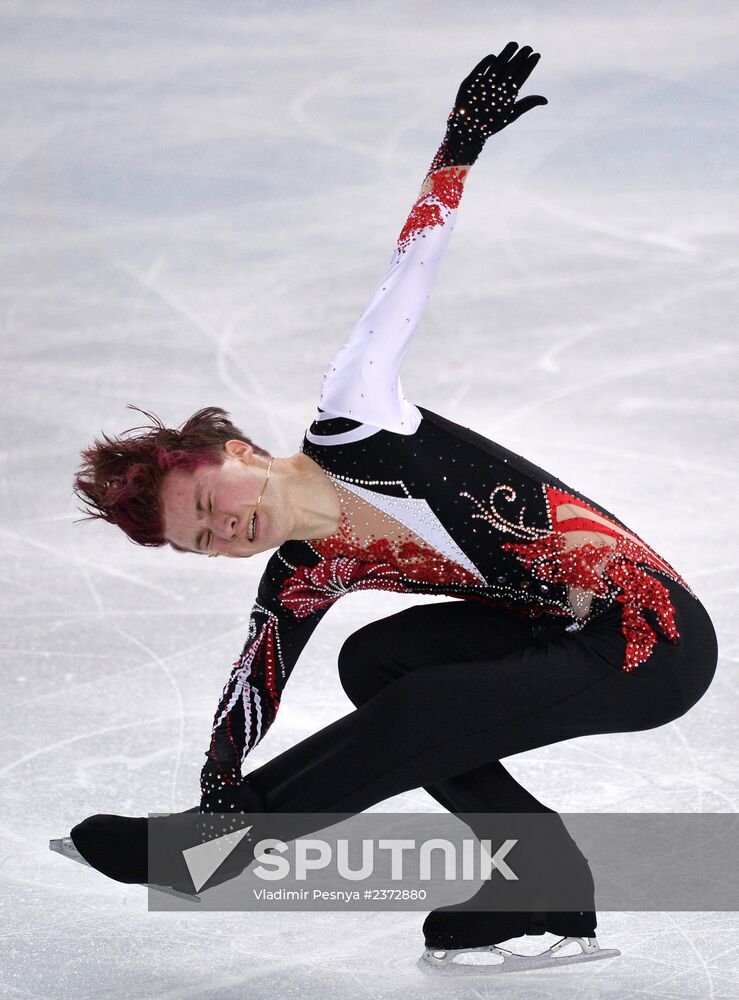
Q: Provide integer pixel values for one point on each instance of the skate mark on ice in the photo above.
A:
(630, 318)
(79, 738)
(655, 459)
(225, 358)
(514, 416)
(162, 665)
(327, 86)
(60, 553)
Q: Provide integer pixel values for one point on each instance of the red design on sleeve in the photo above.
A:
(446, 190)
(315, 587)
(248, 705)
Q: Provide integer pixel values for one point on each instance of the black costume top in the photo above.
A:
(428, 507)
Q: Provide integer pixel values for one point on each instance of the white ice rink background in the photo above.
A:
(196, 201)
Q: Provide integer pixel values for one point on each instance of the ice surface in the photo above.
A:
(197, 201)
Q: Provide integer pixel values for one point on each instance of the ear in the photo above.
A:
(239, 449)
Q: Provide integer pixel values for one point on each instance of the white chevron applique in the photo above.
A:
(418, 517)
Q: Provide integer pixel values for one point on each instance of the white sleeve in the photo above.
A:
(362, 380)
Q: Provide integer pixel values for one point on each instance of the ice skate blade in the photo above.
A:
(437, 962)
(65, 847)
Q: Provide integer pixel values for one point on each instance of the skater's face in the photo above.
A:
(209, 510)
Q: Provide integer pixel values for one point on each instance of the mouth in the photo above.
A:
(252, 532)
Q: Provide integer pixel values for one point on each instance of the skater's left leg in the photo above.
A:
(461, 632)
(440, 721)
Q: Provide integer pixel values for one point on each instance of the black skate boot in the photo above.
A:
(469, 942)
(149, 850)
(461, 941)
(455, 927)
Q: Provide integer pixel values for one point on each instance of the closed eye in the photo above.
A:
(208, 540)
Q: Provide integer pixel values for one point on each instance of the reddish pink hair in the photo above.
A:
(120, 478)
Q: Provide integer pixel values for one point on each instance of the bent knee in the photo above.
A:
(363, 662)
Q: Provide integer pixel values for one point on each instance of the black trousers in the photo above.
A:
(445, 691)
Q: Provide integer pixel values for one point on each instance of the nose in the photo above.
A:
(227, 526)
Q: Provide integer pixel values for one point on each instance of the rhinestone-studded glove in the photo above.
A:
(219, 795)
(486, 103)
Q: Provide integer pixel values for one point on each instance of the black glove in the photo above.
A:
(220, 795)
(486, 103)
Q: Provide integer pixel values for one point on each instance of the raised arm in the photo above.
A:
(362, 381)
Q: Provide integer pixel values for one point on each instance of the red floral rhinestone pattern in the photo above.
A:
(640, 590)
(553, 562)
(405, 554)
(311, 588)
(446, 191)
(550, 559)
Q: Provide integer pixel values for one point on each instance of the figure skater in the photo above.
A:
(563, 622)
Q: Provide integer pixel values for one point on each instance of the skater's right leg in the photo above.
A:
(463, 632)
